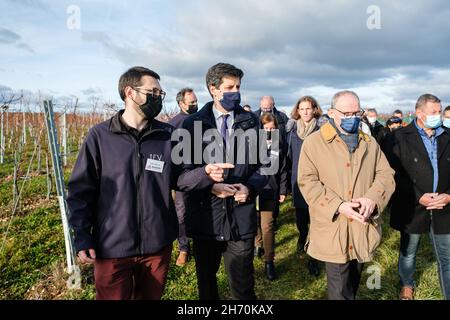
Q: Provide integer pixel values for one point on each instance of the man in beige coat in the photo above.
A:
(347, 182)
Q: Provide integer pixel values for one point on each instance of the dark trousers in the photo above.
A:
(302, 222)
(183, 241)
(343, 279)
(134, 278)
(238, 260)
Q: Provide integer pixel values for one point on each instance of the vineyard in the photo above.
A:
(32, 252)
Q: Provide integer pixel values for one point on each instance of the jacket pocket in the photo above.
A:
(245, 216)
(328, 239)
(373, 238)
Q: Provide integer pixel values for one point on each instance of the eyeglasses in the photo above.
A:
(358, 114)
(395, 120)
(155, 92)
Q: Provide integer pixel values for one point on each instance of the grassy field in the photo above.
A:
(32, 263)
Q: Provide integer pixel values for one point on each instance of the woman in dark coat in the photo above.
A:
(306, 119)
(271, 196)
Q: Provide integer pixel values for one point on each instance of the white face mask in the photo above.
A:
(372, 120)
(446, 122)
(433, 121)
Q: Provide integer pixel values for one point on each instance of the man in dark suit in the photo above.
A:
(420, 155)
(187, 102)
(220, 207)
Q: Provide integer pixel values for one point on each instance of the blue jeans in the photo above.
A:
(409, 244)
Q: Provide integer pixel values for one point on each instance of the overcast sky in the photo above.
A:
(285, 48)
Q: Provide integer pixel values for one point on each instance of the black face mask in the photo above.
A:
(192, 108)
(269, 135)
(152, 106)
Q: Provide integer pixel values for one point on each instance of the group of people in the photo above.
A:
(129, 199)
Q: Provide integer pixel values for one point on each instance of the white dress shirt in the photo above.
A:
(219, 119)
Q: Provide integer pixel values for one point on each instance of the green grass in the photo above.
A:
(32, 264)
(34, 260)
(33, 244)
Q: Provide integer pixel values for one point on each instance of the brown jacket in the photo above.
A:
(329, 175)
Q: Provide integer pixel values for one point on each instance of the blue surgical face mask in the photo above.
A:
(230, 100)
(433, 121)
(446, 123)
(350, 125)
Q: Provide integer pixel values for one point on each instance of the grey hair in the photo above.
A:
(427, 97)
(265, 97)
(372, 110)
(182, 93)
(339, 94)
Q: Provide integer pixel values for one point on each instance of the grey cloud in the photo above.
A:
(4, 88)
(91, 91)
(36, 4)
(9, 37)
(331, 35)
(96, 36)
(25, 47)
(292, 47)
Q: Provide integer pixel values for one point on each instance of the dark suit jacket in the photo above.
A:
(210, 217)
(407, 155)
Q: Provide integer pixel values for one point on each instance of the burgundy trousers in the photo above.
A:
(133, 278)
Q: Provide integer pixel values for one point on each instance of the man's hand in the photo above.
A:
(367, 207)
(87, 256)
(215, 170)
(427, 199)
(439, 201)
(242, 192)
(347, 209)
(282, 198)
(223, 190)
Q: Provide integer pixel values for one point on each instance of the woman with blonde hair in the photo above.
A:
(306, 118)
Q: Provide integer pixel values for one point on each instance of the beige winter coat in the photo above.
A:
(329, 175)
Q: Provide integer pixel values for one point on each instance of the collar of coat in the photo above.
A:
(275, 112)
(242, 118)
(411, 133)
(329, 133)
(414, 129)
(116, 126)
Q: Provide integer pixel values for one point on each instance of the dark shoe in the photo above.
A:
(313, 267)
(300, 246)
(275, 225)
(259, 252)
(270, 271)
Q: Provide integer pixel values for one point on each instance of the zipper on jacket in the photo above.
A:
(138, 201)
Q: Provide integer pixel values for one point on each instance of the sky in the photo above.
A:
(388, 52)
